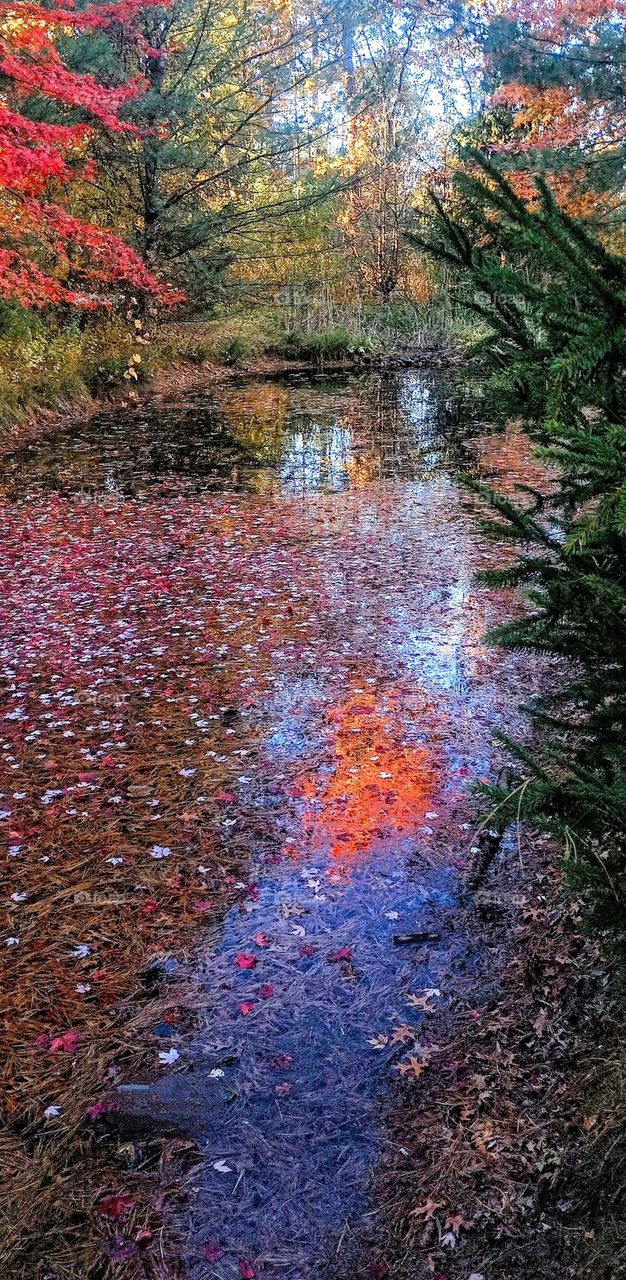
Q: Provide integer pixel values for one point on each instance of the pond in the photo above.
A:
(291, 436)
(246, 677)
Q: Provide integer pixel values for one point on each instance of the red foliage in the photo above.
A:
(47, 254)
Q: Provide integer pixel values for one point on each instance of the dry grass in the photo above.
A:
(58, 1167)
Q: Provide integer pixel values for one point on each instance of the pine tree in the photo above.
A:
(554, 302)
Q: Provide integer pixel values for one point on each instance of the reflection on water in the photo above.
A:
(289, 436)
(291, 602)
(379, 780)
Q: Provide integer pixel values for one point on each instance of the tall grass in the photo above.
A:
(47, 363)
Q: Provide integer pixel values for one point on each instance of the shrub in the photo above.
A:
(554, 302)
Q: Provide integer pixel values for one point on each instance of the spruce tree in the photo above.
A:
(553, 301)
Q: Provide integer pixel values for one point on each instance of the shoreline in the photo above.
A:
(41, 424)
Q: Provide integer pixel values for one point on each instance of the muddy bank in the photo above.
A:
(507, 1148)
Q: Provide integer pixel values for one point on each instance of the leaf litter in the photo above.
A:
(237, 737)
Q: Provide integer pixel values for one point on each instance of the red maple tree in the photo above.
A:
(47, 254)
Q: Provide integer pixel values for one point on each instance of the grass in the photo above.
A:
(48, 364)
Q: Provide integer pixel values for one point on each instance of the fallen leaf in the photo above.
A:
(413, 1067)
(282, 1062)
(403, 1034)
(168, 1056)
(379, 1042)
(428, 1209)
(211, 1252)
(121, 1250)
(116, 1205)
(422, 1003)
(66, 1043)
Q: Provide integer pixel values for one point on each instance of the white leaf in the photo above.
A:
(216, 1073)
(52, 1111)
(222, 1167)
(379, 1042)
(167, 1056)
(160, 851)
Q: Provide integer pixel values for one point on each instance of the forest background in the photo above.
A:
(208, 182)
(205, 184)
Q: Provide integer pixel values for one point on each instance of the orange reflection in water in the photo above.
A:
(381, 784)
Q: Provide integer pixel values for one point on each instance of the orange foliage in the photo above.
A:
(557, 117)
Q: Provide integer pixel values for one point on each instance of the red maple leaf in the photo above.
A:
(116, 1205)
(36, 157)
(66, 1043)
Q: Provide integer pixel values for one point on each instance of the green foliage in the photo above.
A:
(40, 368)
(50, 364)
(332, 344)
(211, 161)
(554, 301)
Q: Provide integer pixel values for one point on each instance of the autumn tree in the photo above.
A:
(557, 79)
(410, 68)
(49, 119)
(216, 151)
(383, 152)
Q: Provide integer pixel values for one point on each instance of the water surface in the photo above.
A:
(292, 563)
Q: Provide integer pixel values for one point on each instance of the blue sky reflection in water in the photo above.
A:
(366, 745)
(325, 558)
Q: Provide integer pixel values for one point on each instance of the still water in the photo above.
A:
(291, 436)
(296, 562)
